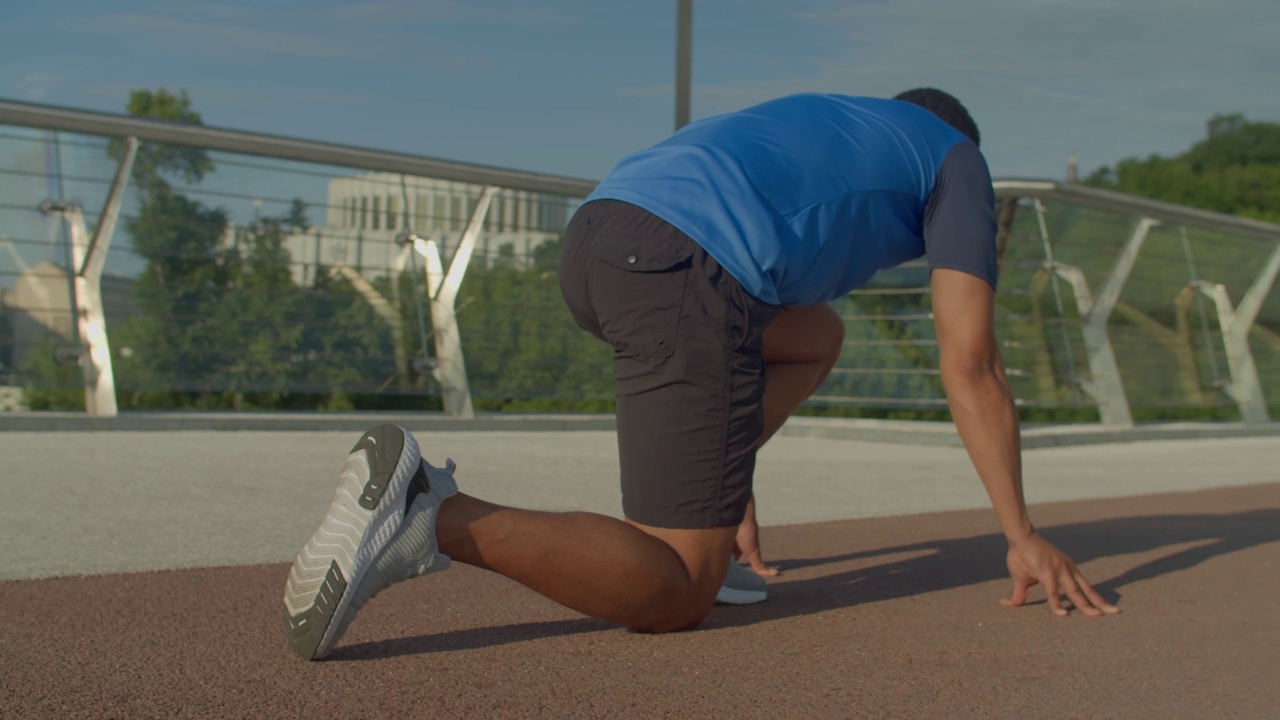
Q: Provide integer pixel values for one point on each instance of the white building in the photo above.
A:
(366, 212)
(40, 314)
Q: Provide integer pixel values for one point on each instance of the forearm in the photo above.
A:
(982, 407)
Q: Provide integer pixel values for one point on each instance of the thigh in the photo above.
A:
(690, 411)
(688, 361)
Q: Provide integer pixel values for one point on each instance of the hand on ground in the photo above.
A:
(1035, 560)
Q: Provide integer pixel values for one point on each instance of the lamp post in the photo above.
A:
(684, 53)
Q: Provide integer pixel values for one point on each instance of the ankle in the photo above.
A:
(456, 524)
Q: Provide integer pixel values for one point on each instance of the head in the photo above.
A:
(944, 106)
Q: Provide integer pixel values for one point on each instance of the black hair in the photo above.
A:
(944, 106)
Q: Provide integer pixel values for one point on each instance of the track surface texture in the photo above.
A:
(882, 617)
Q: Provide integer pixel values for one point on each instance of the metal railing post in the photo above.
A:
(1105, 386)
(442, 290)
(89, 257)
(1245, 386)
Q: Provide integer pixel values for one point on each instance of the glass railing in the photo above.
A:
(265, 282)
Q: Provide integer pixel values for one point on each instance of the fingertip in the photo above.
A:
(1111, 609)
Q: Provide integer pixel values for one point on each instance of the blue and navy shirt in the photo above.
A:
(804, 198)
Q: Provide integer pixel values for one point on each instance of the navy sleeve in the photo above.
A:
(960, 217)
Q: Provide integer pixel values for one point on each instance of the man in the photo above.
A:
(705, 262)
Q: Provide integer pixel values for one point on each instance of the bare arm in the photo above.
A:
(982, 407)
(978, 393)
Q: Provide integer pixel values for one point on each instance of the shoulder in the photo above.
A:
(959, 225)
(964, 159)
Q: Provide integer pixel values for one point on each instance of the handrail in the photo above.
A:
(49, 117)
(52, 117)
(1103, 199)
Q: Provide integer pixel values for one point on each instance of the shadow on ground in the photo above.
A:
(945, 564)
(930, 566)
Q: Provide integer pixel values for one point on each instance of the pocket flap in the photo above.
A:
(642, 254)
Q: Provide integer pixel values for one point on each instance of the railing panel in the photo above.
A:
(272, 277)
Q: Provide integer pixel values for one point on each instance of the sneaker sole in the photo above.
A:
(366, 511)
(734, 596)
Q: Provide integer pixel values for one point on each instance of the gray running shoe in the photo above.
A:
(742, 586)
(380, 530)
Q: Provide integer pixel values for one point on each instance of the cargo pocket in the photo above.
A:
(638, 289)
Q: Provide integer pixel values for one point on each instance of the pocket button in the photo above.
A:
(631, 259)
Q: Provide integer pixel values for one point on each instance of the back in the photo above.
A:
(802, 198)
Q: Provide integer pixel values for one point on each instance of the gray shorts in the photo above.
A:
(688, 362)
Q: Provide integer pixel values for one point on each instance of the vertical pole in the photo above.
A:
(1246, 386)
(1104, 385)
(89, 255)
(1008, 210)
(1051, 263)
(57, 195)
(684, 59)
(442, 289)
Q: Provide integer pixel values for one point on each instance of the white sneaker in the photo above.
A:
(380, 530)
(742, 586)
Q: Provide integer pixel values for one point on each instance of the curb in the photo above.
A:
(1033, 436)
(297, 422)
(861, 430)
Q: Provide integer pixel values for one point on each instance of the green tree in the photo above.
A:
(48, 384)
(297, 217)
(218, 314)
(1235, 169)
(524, 351)
(154, 160)
(173, 338)
(6, 346)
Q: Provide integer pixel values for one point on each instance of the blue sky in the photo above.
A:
(569, 86)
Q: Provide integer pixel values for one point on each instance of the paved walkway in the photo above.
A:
(886, 607)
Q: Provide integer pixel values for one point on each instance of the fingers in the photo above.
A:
(1078, 590)
(1072, 588)
(1095, 598)
(1019, 595)
(758, 566)
(1082, 594)
(1052, 595)
(1059, 576)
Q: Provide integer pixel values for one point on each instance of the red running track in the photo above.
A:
(884, 617)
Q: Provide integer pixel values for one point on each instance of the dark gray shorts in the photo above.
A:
(688, 362)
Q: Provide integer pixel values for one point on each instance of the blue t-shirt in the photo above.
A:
(805, 197)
